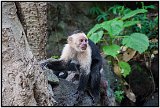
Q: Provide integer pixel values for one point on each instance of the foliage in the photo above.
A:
(147, 7)
(102, 16)
(125, 68)
(133, 13)
(114, 28)
(119, 10)
(149, 27)
(96, 37)
(55, 57)
(137, 41)
(95, 11)
(111, 50)
(130, 23)
(153, 45)
(112, 32)
(119, 95)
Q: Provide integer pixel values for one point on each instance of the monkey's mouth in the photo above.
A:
(83, 48)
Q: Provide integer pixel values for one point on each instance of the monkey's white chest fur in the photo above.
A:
(84, 59)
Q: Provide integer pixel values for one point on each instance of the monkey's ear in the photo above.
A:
(69, 40)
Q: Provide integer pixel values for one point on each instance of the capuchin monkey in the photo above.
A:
(82, 50)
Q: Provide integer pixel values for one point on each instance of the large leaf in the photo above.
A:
(125, 68)
(95, 28)
(111, 50)
(132, 13)
(137, 41)
(96, 37)
(130, 23)
(114, 27)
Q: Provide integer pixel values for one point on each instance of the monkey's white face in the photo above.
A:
(79, 42)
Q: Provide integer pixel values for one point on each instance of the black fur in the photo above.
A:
(95, 76)
(61, 66)
(57, 65)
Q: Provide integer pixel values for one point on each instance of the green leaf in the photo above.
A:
(130, 23)
(137, 41)
(106, 25)
(114, 27)
(103, 17)
(95, 28)
(149, 7)
(114, 11)
(55, 57)
(96, 37)
(119, 95)
(125, 68)
(126, 11)
(95, 10)
(132, 13)
(111, 50)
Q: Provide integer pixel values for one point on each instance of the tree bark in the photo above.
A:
(33, 16)
(23, 82)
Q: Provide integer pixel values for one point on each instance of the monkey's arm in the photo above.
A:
(61, 65)
(64, 63)
(58, 65)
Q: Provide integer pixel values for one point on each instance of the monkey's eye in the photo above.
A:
(85, 40)
(81, 40)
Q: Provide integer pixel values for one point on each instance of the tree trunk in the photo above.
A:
(23, 82)
(34, 18)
